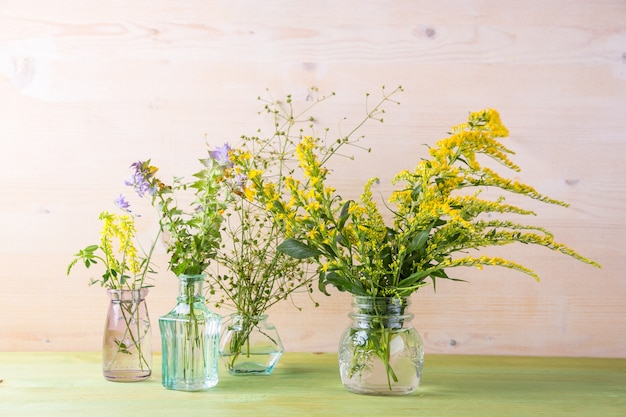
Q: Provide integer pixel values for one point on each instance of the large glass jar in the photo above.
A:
(381, 353)
(127, 339)
(250, 345)
(189, 339)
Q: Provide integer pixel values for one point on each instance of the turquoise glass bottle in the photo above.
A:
(189, 339)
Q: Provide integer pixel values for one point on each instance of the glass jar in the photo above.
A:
(380, 353)
(250, 345)
(189, 339)
(127, 339)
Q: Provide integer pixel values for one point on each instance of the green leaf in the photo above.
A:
(297, 249)
(321, 283)
(330, 250)
(91, 248)
(343, 284)
(413, 278)
(439, 222)
(440, 273)
(339, 239)
(419, 241)
(415, 193)
(88, 262)
(344, 214)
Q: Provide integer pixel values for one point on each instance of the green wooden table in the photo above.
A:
(305, 384)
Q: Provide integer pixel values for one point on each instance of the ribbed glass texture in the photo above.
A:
(189, 340)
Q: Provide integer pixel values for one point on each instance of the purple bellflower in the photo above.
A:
(139, 179)
(122, 203)
(221, 155)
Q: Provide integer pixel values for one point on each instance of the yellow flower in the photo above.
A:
(123, 229)
(250, 192)
(244, 156)
(254, 174)
(400, 197)
(493, 122)
(313, 206)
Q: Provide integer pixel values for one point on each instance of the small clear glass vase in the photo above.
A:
(250, 345)
(189, 339)
(381, 353)
(127, 339)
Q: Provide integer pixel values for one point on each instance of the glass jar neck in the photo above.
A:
(376, 312)
(190, 288)
(127, 296)
(239, 319)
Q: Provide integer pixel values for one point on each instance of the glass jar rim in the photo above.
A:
(128, 294)
(192, 277)
(378, 300)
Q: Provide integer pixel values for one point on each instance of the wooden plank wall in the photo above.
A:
(89, 86)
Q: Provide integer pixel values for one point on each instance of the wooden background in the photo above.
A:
(89, 86)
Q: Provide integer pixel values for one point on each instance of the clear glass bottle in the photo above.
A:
(250, 345)
(189, 339)
(127, 339)
(381, 353)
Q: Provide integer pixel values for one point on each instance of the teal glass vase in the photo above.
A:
(189, 339)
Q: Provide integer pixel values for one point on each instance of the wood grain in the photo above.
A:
(87, 87)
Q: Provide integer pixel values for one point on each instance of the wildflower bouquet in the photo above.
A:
(252, 275)
(190, 332)
(129, 271)
(192, 234)
(357, 252)
(435, 216)
(126, 342)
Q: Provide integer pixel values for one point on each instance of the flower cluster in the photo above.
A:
(269, 165)
(358, 252)
(251, 275)
(124, 268)
(193, 233)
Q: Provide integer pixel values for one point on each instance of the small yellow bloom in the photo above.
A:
(250, 192)
(254, 174)
(123, 228)
(313, 206)
(244, 156)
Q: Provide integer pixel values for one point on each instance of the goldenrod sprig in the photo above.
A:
(357, 252)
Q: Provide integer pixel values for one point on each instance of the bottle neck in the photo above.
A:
(190, 288)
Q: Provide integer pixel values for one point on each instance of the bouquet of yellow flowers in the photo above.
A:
(437, 212)
(357, 252)
(127, 354)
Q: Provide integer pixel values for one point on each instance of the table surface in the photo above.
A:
(306, 384)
